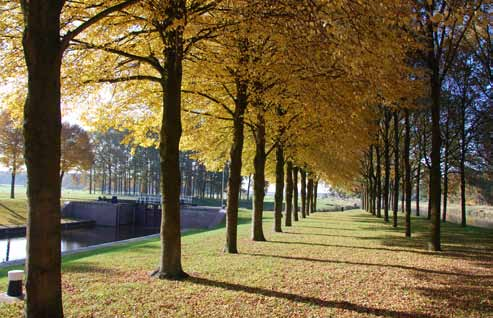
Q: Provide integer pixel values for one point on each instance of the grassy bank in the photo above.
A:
(13, 212)
(330, 265)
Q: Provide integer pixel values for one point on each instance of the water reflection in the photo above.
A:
(15, 248)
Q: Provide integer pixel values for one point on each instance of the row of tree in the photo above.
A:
(299, 77)
(125, 169)
(407, 150)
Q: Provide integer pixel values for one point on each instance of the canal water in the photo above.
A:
(15, 248)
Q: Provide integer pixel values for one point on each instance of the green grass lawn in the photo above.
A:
(329, 265)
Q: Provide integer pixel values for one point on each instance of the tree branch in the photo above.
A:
(215, 100)
(101, 15)
(126, 79)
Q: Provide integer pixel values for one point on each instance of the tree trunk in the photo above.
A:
(363, 195)
(445, 190)
(446, 165)
(42, 128)
(109, 179)
(392, 195)
(418, 180)
(289, 193)
(378, 181)
(386, 154)
(248, 188)
(259, 179)
(90, 179)
(463, 150)
(103, 181)
(403, 192)
(428, 216)
(278, 197)
(170, 261)
(295, 193)
(436, 145)
(12, 184)
(407, 168)
(372, 183)
(234, 179)
(309, 197)
(315, 195)
(303, 193)
(396, 168)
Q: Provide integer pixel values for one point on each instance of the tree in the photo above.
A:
(303, 193)
(407, 171)
(295, 193)
(396, 168)
(11, 146)
(386, 152)
(156, 38)
(372, 178)
(309, 195)
(259, 177)
(76, 149)
(289, 194)
(234, 181)
(278, 200)
(43, 51)
(378, 178)
(442, 26)
(172, 32)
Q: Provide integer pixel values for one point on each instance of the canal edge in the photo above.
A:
(91, 248)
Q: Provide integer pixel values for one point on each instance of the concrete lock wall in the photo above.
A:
(150, 216)
(103, 213)
(190, 217)
(201, 217)
(108, 214)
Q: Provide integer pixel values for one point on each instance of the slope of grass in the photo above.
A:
(329, 265)
(13, 212)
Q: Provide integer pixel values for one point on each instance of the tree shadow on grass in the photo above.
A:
(469, 243)
(383, 249)
(319, 234)
(84, 268)
(457, 249)
(469, 293)
(409, 248)
(302, 243)
(410, 268)
(323, 228)
(307, 299)
(334, 235)
(14, 217)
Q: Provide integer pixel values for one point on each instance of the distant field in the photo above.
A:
(20, 193)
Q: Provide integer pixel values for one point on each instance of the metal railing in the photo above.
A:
(156, 199)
